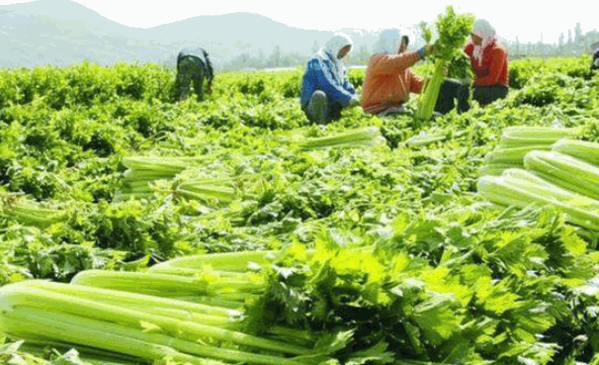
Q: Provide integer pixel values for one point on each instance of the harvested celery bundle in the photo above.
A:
(166, 285)
(514, 156)
(238, 262)
(565, 171)
(512, 191)
(354, 138)
(144, 170)
(29, 212)
(206, 189)
(523, 136)
(453, 30)
(37, 310)
(585, 151)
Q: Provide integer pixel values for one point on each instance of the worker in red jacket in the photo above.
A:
(490, 65)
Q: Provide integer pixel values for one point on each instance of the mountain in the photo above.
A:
(230, 35)
(61, 32)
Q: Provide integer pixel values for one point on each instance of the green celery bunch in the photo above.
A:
(72, 314)
(565, 171)
(362, 137)
(453, 30)
(582, 150)
(144, 170)
(518, 141)
(32, 213)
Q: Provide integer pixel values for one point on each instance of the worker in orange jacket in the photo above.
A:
(489, 63)
(389, 80)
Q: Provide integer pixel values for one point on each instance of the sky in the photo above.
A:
(524, 19)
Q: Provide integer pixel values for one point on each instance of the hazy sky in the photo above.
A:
(524, 18)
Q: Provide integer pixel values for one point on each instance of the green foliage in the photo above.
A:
(442, 278)
(453, 30)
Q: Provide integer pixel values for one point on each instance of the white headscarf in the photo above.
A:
(332, 47)
(484, 30)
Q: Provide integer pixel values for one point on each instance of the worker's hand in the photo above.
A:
(466, 81)
(426, 51)
(355, 101)
(430, 50)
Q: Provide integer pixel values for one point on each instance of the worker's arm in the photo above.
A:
(328, 83)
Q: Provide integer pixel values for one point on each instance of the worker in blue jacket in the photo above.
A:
(193, 64)
(326, 90)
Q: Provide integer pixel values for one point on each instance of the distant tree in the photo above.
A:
(569, 37)
(364, 55)
(577, 33)
(561, 43)
(276, 56)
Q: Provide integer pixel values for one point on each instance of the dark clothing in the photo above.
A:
(193, 65)
(595, 61)
(453, 89)
(317, 109)
(449, 92)
(199, 53)
(488, 94)
(322, 109)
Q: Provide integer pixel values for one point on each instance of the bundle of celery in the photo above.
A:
(425, 139)
(429, 137)
(453, 30)
(220, 190)
(521, 136)
(29, 212)
(224, 279)
(432, 87)
(354, 138)
(516, 142)
(167, 285)
(146, 169)
(565, 171)
(236, 262)
(137, 325)
(585, 151)
(516, 187)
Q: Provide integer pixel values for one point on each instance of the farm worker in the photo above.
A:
(595, 61)
(326, 90)
(389, 78)
(490, 66)
(193, 64)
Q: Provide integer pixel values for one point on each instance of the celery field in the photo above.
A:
(137, 230)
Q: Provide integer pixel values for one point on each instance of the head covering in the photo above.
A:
(332, 48)
(484, 30)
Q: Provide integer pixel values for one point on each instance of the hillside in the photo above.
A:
(62, 32)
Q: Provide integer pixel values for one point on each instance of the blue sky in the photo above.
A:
(525, 19)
